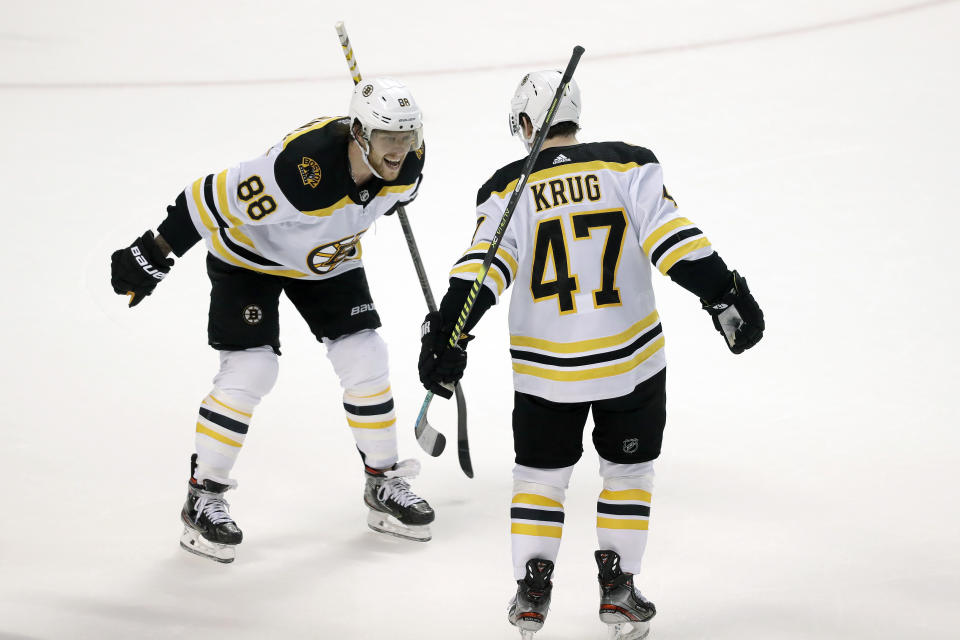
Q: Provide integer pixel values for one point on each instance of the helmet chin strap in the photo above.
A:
(366, 160)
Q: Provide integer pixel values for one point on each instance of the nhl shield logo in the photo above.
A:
(364, 195)
(630, 445)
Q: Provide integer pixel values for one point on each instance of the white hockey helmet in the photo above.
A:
(387, 105)
(533, 97)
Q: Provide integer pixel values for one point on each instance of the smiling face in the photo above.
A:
(388, 149)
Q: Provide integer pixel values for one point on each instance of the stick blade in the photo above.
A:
(431, 441)
(463, 442)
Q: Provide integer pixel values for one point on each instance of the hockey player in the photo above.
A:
(584, 336)
(290, 221)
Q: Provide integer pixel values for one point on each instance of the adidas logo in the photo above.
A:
(561, 158)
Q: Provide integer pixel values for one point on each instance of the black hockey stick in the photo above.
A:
(431, 440)
(508, 213)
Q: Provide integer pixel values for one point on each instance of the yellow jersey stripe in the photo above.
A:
(296, 134)
(224, 404)
(532, 498)
(541, 530)
(398, 188)
(371, 425)
(663, 230)
(372, 395)
(613, 523)
(198, 203)
(590, 374)
(332, 209)
(562, 170)
(503, 255)
(241, 237)
(674, 256)
(222, 200)
(229, 257)
(627, 494)
(216, 436)
(475, 269)
(586, 345)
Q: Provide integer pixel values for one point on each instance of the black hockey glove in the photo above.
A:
(138, 269)
(440, 363)
(737, 316)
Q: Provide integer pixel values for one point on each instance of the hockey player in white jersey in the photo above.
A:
(290, 221)
(594, 220)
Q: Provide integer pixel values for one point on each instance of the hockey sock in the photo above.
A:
(222, 425)
(373, 423)
(623, 511)
(536, 514)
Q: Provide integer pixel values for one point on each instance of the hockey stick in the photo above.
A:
(431, 440)
(508, 213)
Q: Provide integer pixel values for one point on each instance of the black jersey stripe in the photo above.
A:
(369, 410)
(623, 509)
(227, 423)
(595, 358)
(673, 241)
(522, 513)
(211, 203)
(245, 253)
(497, 262)
(611, 152)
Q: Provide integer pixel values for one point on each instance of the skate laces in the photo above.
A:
(214, 506)
(398, 490)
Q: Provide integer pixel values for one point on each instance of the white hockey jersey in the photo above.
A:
(295, 211)
(591, 221)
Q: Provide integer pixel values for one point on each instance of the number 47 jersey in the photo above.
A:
(592, 220)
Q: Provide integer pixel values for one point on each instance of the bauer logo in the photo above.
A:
(363, 308)
(367, 90)
(252, 314)
(630, 445)
(309, 172)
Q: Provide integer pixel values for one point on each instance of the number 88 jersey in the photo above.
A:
(592, 221)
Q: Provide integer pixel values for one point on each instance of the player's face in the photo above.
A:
(388, 149)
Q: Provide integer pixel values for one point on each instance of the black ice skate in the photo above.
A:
(208, 530)
(528, 609)
(394, 508)
(621, 606)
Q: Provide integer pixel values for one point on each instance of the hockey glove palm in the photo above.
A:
(440, 364)
(138, 269)
(737, 316)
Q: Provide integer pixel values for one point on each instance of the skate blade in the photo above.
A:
(385, 523)
(628, 630)
(195, 543)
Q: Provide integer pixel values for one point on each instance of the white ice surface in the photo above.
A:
(807, 489)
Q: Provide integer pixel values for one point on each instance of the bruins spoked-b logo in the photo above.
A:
(367, 90)
(252, 314)
(328, 257)
(630, 445)
(309, 172)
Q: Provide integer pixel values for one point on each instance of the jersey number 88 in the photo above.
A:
(262, 206)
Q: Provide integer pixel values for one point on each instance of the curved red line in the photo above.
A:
(675, 48)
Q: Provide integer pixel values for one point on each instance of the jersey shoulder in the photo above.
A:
(555, 160)
(500, 181)
(620, 152)
(311, 168)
